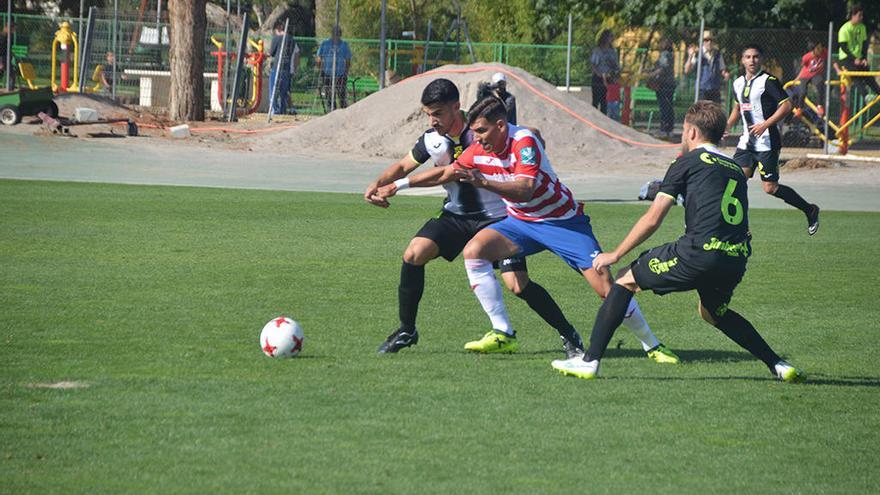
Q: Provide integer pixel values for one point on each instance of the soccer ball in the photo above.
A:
(282, 337)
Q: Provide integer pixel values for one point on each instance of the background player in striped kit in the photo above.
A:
(510, 161)
(762, 103)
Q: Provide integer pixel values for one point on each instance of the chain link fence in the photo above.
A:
(653, 82)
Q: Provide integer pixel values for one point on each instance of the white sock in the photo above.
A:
(488, 292)
(636, 323)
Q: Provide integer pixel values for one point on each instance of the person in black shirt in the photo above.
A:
(282, 70)
(710, 258)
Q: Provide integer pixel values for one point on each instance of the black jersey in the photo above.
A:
(716, 203)
(462, 198)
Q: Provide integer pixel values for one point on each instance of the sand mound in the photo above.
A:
(387, 123)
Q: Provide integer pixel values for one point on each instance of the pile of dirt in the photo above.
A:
(107, 108)
(387, 124)
(804, 163)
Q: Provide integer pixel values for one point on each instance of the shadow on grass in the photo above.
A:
(687, 356)
(816, 380)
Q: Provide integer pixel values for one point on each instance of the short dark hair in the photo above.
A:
(855, 9)
(439, 91)
(752, 46)
(491, 108)
(279, 25)
(709, 117)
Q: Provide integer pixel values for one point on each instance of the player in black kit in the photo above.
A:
(710, 258)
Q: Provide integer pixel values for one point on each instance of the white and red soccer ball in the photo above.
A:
(282, 337)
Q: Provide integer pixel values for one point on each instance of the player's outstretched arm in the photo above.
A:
(400, 168)
(641, 231)
(432, 177)
(780, 113)
(520, 189)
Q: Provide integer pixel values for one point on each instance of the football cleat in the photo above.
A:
(573, 348)
(788, 373)
(588, 370)
(493, 342)
(398, 340)
(813, 220)
(661, 354)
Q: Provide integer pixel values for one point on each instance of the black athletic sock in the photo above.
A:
(542, 303)
(609, 317)
(791, 197)
(739, 330)
(409, 293)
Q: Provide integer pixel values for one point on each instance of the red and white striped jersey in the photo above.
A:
(523, 157)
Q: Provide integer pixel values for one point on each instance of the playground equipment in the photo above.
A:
(16, 104)
(64, 38)
(841, 138)
(255, 60)
(845, 120)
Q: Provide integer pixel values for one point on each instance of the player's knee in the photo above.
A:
(416, 255)
(473, 250)
(705, 314)
(770, 187)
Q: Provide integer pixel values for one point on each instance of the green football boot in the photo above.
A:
(661, 354)
(788, 373)
(493, 342)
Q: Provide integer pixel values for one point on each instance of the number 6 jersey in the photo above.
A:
(716, 203)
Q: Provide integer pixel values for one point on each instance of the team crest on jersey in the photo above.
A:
(528, 155)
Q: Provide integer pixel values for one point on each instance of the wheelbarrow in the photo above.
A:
(16, 104)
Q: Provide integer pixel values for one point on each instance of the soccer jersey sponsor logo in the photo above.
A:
(528, 155)
(658, 267)
(746, 107)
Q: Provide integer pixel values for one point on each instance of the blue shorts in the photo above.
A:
(571, 239)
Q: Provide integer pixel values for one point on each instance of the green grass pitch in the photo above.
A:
(152, 298)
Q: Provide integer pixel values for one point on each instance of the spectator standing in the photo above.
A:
(853, 41)
(662, 81)
(612, 95)
(326, 60)
(3, 53)
(499, 82)
(283, 67)
(604, 61)
(712, 69)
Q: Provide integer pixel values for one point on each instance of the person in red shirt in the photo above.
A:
(812, 71)
(612, 95)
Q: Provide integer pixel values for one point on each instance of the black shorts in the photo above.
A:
(662, 270)
(765, 162)
(452, 232)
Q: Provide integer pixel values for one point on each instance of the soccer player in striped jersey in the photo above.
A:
(762, 103)
(542, 214)
(465, 211)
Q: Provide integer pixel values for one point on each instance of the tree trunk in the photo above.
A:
(188, 23)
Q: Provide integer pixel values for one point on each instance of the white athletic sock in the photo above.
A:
(488, 292)
(636, 323)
